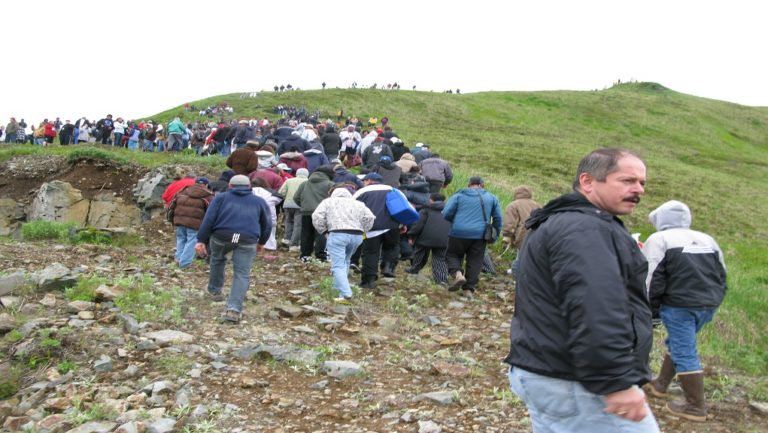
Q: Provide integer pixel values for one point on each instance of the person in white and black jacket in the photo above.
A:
(686, 283)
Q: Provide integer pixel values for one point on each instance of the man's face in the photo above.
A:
(620, 193)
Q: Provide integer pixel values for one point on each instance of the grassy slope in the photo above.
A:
(710, 154)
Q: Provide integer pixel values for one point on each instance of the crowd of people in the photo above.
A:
(586, 291)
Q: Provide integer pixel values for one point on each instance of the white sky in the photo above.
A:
(135, 58)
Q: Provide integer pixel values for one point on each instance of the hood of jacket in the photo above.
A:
(523, 191)
(670, 215)
(291, 155)
(341, 192)
(571, 202)
(318, 176)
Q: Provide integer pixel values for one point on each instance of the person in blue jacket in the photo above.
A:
(240, 222)
(470, 210)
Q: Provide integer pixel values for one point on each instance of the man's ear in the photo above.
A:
(586, 182)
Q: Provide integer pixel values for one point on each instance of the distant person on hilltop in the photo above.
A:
(686, 283)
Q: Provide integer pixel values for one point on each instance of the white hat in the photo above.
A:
(284, 166)
(419, 144)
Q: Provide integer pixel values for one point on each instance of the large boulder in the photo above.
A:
(59, 201)
(106, 211)
(10, 215)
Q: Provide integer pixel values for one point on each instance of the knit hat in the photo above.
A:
(302, 172)
(376, 177)
(240, 180)
(226, 175)
(203, 180)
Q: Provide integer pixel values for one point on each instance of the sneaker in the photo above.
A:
(305, 259)
(458, 281)
(217, 297)
(231, 316)
(294, 249)
(286, 242)
(468, 294)
(355, 268)
(344, 300)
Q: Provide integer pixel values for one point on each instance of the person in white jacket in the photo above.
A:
(343, 220)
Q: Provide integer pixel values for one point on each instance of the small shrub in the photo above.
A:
(65, 367)
(85, 289)
(41, 230)
(14, 336)
(90, 236)
(10, 384)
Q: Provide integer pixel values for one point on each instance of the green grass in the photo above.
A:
(148, 303)
(46, 230)
(85, 289)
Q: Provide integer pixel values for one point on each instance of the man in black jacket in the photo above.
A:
(581, 334)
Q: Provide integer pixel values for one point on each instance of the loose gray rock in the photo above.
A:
(278, 353)
(440, 397)
(759, 406)
(55, 277)
(129, 427)
(319, 385)
(429, 427)
(78, 306)
(130, 324)
(431, 320)
(7, 323)
(341, 369)
(94, 427)
(290, 311)
(163, 425)
(12, 283)
(103, 364)
(170, 336)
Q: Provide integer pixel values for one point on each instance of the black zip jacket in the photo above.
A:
(581, 309)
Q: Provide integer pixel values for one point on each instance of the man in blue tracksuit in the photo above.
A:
(240, 222)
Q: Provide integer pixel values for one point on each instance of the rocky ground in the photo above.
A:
(150, 354)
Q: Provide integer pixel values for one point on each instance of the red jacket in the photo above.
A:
(50, 131)
(175, 187)
(274, 181)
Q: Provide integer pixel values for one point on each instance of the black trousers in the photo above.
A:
(311, 240)
(420, 258)
(435, 186)
(384, 248)
(473, 250)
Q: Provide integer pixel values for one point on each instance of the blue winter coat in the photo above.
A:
(464, 212)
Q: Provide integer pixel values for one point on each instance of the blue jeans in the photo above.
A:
(682, 326)
(242, 262)
(10, 138)
(133, 144)
(118, 139)
(186, 238)
(340, 247)
(557, 405)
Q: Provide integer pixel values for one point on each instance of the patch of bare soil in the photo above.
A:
(21, 176)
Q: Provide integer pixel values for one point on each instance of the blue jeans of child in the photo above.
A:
(557, 405)
(682, 326)
(340, 247)
(242, 262)
(186, 238)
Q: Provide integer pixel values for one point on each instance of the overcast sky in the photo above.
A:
(132, 59)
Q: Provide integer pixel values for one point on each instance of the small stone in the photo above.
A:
(103, 364)
(429, 427)
(49, 300)
(440, 397)
(86, 315)
(341, 369)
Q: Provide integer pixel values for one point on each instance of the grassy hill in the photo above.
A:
(709, 154)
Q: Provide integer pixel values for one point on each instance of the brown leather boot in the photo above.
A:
(693, 407)
(658, 386)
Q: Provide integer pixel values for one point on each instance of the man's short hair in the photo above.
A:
(600, 163)
(476, 180)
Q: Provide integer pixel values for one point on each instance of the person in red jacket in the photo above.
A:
(50, 133)
(176, 186)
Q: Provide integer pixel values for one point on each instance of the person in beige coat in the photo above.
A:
(515, 214)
